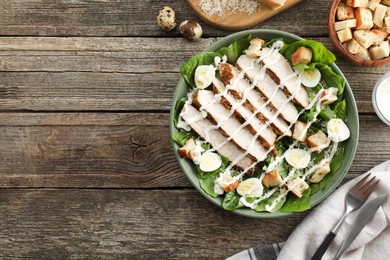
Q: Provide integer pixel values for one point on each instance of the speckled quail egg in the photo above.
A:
(191, 30)
(166, 19)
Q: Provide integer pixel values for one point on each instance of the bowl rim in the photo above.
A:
(340, 48)
(316, 198)
(374, 99)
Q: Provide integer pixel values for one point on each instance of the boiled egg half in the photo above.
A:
(297, 158)
(209, 161)
(310, 78)
(204, 76)
(337, 130)
(250, 187)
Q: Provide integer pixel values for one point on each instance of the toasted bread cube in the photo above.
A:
(274, 4)
(388, 11)
(345, 24)
(231, 187)
(187, 151)
(255, 47)
(344, 35)
(320, 173)
(354, 47)
(318, 140)
(372, 4)
(364, 37)
(387, 21)
(380, 36)
(363, 18)
(379, 15)
(357, 3)
(344, 12)
(331, 96)
(297, 186)
(385, 2)
(300, 131)
(301, 55)
(385, 28)
(363, 54)
(381, 51)
(272, 179)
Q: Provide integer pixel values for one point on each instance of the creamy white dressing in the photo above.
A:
(382, 98)
(225, 177)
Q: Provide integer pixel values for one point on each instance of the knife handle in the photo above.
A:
(324, 246)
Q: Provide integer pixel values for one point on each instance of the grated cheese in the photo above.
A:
(226, 7)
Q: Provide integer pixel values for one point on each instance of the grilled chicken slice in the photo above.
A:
(245, 116)
(204, 129)
(229, 124)
(268, 88)
(254, 101)
(280, 70)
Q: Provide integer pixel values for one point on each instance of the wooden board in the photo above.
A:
(239, 20)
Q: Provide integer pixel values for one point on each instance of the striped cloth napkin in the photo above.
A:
(371, 243)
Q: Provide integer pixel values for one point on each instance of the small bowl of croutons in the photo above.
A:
(360, 31)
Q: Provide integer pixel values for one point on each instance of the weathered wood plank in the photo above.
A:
(75, 74)
(133, 18)
(127, 224)
(118, 150)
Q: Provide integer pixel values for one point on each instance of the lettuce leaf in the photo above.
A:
(181, 137)
(332, 79)
(178, 108)
(187, 70)
(232, 52)
(320, 53)
(231, 201)
(235, 49)
(295, 204)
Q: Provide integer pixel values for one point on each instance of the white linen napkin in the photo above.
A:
(372, 243)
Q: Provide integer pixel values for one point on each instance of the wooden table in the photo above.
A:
(86, 165)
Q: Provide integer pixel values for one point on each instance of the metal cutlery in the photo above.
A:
(366, 213)
(354, 199)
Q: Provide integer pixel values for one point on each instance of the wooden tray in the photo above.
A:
(239, 21)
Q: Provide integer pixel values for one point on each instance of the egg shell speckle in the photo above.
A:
(166, 19)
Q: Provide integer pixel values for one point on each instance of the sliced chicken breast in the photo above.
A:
(280, 70)
(254, 100)
(229, 124)
(245, 115)
(268, 88)
(204, 129)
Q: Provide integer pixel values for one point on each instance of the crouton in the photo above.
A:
(344, 12)
(357, 3)
(381, 51)
(354, 47)
(379, 15)
(317, 141)
(363, 54)
(344, 35)
(372, 4)
(274, 4)
(272, 179)
(385, 2)
(345, 24)
(255, 47)
(301, 55)
(363, 18)
(300, 131)
(380, 36)
(231, 187)
(330, 94)
(364, 37)
(387, 21)
(187, 151)
(320, 173)
(297, 186)
(388, 11)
